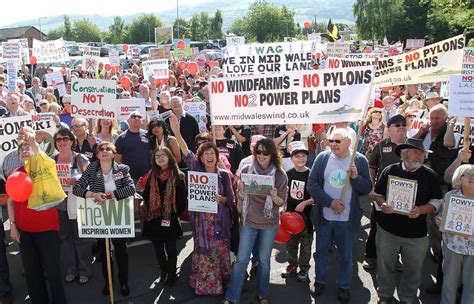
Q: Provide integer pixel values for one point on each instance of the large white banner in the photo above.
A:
(301, 97)
(234, 40)
(11, 50)
(435, 62)
(50, 51)
(113, 219)
(94, 98)
(461, 88)
(156, 67)
(255, 59)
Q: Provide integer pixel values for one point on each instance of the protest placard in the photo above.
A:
(202, 192)
(415, 43)
(458, 214)
(94, 98)
(44, 122)
(9, 129)
(255, 59)
(336, 62)
(163, 35)
(12, 71)
(257, 184)
(162, 52)
(314, 37)
(113, 219)
(64, 175)
(182, 47)
(127, 106)
(338, 49)
(156, 67)
(136, 54)
(461, 88)
(362, 56)
(91, 57)
(11, 50)
(234, 40)
(432, 63)
(114, 58)
(50, 51)
(197, 109)
(401, 194)
(24, 49)
(325, 96)
(58, 79)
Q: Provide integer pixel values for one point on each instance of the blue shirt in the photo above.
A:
(135, 151)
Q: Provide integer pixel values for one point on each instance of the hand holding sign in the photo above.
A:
(387, 209)
(414, 213)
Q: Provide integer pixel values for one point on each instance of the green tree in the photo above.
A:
(449, 18)
(85, 31)
(238, 27)
(142, 29)
(216, 26)
(116, 30)
(68, 33)
(56, 33)
(194, 28)
(204, 25)
(181, 28)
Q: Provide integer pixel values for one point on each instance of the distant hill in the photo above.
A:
(306, 10)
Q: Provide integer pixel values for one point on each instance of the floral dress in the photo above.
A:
(371, 138)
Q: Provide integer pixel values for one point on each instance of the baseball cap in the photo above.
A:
(297, 146)
(397, 119)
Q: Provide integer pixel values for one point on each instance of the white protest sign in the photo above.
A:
(458, 215)
(432, 63)
(300, 97)
(401, 194)
(127, 106)
(338, 49)
(24, 49)
(58, 79)
(255, 59)
(335, 62)
(11, 50)
(113, 219)
(234, 40)
(44, 122)
(64, 175)
(202, 192)
(198, 111)
(12, 70)
(114, 58)
(50, 51)
(415, 43)
(156, 67)
(461, 88)
(91, 57)
(362, 56)
(94, 98)
(314, 37)
(136, 54)
(9, 129)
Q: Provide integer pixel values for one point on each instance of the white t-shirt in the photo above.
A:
(334, 177)
(109, 182)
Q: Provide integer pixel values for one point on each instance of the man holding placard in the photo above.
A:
(406, 192)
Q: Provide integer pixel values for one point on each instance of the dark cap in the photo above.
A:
(397, 119)
(411, 143)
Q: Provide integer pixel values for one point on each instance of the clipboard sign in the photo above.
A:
(401, 194)
(458, 216)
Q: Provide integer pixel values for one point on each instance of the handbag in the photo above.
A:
(139, 207)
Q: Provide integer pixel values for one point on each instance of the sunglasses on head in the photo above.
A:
(63, 139)
(105, 149)
(264, 153)
(337, 141)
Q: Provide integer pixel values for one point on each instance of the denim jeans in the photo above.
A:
(339, 232)
(457, 268)
(5, 285)
(248, 236)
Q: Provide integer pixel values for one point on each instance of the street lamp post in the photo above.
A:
(177, 17)
(39, 19)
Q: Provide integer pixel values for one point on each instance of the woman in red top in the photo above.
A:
(37, 233)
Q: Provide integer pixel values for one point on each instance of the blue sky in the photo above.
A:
(34, 9)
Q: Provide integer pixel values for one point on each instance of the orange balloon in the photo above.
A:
(181, 44)
(19, 186)
(307, 24)
(125, 47)
(282, 236)
(193, 68)
(125, 82)
(182, 65)
(33, 59)
(107, 67)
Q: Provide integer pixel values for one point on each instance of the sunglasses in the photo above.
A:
(63, 139)
(264, 153)
(43, 104)
(399, 125)
(77, 126)
(337, 141)
(411, 115)
(136, 116)
(106, 149)
(156, 126)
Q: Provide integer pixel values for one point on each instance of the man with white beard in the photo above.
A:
(400, 233)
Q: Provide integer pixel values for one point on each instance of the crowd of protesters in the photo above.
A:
(153, 155)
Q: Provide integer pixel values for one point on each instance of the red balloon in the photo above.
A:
(125, 47)
(282, 236)
(182, 65)
(292, 222)
(19, 186)
(181, 44)
(193, 68)
(107, 67)
(125, 82)
(307, 24)
(213, 64)
(33, 59)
